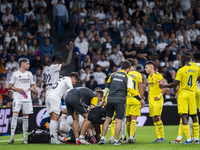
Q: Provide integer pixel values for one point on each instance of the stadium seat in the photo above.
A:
(148, 32)
(33, 70)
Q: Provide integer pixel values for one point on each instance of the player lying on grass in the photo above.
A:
(186, 77)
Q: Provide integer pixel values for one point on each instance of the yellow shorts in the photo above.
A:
(133, 110)
(197, 97)
(155, 107)
(187, 102)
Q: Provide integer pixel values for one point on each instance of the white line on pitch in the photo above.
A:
(8, 140)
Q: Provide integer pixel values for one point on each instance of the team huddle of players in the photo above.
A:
(119, 102)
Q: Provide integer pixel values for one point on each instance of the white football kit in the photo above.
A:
(52, 75)
(22, 81)
(59, 89)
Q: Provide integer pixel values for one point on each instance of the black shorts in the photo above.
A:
(118, 107)
(75, 105)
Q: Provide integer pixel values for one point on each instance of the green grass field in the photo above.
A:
(144, 137)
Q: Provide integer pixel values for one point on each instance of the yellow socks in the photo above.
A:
(128, 128)
(133, 127)
(157, 130)
(186, 130)
(160, 128)
(196, 130)
(112, 128)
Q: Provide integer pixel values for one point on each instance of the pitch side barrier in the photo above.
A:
(169, 117)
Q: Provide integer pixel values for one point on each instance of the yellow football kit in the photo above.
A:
(155, 107)
(132, 104)
(187, 75)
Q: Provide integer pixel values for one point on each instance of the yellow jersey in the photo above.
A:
(153, 83)
(187, 75)
(136, 77)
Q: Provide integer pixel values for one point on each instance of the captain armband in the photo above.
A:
(138, 97)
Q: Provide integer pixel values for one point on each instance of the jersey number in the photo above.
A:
(190, 81)
(133, 84)
(47, 78)
(56, 84)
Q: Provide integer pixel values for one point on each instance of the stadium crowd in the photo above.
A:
(106, 33)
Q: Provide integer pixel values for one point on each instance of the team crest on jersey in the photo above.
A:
(152, 79)
(28, 75)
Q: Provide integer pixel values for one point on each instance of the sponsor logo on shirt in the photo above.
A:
(152, 79)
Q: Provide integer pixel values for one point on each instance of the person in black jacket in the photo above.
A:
(91, 84)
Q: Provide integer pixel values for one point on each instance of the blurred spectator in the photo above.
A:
(104, 64)
(25, 35)
(97, 24)
(32, 26)
(34, 99)
(177, 62)
(88, 62)
(4, 54)
(103, 38)
(166, 74)
(42, 98)
(158, 30)
(79, 27)
(94, 45)
(165, 61)
(101, 15)
(108, 44)
(166, 15)
(189, 20)
(4, 5)
(61, 17)
(185, 42)
(36, 62)
(55, 2)
(173, 39)
(142, 53)
(7, 16)
(44, 29)
(182, 50)
(116, 57)
(129, 52)
(167, 52)
(132, 8)
(178, 15)
(154, 16)
(153, 52)
(137, 64)
(139, 36)
(96, 57)
(137, 14)
(46, 61)
(99, 76)
(128, 38)
(38, 88)
(10, 37)
(124, 26)
(22, 49)
(193, 32)
(8, 101)
(20, 16)
(74, 5)
(82, 45)
(2, 66)
(157, 66)
(162, 45)
(194, 49)
(78, 14)
(86, 75)
(11, 64)
(91, 84)
(34, 48)
(146, 23)
(41, 15)
(3, 90)
(47, 48)
(197, 42)
(170, 68)
(28, 13)
(91, 33)
(37, 74)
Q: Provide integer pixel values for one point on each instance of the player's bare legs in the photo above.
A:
(105, 128)
(118, 128)
(13, 126)
(85, 126)
(54, 127)
(75, 125)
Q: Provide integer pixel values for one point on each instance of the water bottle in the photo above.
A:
(24, 95)
(160, 83)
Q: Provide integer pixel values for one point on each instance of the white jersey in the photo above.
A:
(22, 81)
(60, 88)
(52, 75)
(198, 83)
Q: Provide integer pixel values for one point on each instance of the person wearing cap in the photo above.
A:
(60, 15)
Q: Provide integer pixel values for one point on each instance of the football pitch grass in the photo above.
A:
(144, 137)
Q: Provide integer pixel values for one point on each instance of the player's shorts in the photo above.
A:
(187, 102)
(75, 105)
(27, 107)
(64, 126)
(155, 107)
(133, 110)
(53, 105)
(118, 107)
(197, 97)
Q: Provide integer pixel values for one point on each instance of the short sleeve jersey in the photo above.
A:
(22, 81)
(153, 83)
(60, 88)
(136, 78)
(52, 75)
(187, 75)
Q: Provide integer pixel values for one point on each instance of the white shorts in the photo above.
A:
(27, 107)
(53, 105)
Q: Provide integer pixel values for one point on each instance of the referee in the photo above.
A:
(118, 84)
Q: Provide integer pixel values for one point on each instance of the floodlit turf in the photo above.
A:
(144, 137)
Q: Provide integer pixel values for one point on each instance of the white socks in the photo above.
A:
(123, 129)
(179, 137)
(13, 125)
(54, 129)
(82, 136)
(25, 127)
